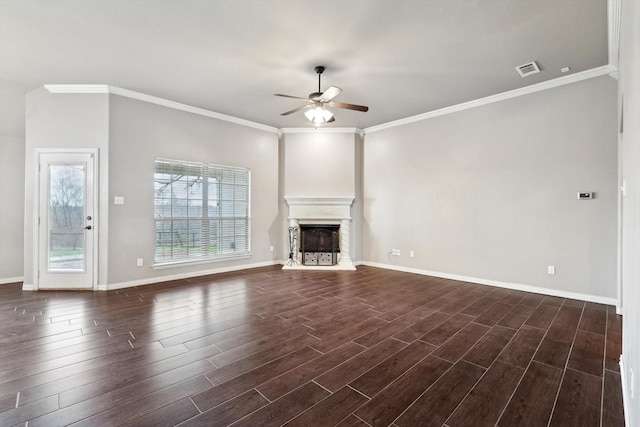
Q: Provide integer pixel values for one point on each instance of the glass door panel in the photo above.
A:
(67, 219)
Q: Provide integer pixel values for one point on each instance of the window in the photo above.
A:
(201, 211)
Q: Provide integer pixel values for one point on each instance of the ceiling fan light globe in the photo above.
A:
(318, 115)
(318, 119)
(310, 114)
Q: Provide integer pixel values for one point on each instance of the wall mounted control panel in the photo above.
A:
(584, 195)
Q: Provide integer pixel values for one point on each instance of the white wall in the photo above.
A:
(629, 94)
(490, 193)
(319, 164)
(140, 132)
(12, 110)
(130, 134)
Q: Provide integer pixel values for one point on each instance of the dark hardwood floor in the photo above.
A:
(307, 348)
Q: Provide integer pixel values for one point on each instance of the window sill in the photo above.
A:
(185, 263)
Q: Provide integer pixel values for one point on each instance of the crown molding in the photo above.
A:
(613, 26)
(114, 90)
(188, 108)
(77, 88)
(549, 84)
(611, 69)
(320, 130)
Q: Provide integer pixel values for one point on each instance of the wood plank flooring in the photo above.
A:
(267, 347)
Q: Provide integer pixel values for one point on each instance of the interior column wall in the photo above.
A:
(60, 121)
(323, 163)
(629, 98)
(12, 200)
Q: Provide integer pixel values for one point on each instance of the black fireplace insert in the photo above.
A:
(319, 244)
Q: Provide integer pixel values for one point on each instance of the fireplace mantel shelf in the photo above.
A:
(319, 208)
(322, 201)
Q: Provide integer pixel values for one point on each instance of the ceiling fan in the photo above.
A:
(317, 101)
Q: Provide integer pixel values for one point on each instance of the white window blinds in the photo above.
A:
(201, 211)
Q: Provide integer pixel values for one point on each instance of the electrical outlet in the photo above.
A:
(271, 248)
(412, 254)
(394, 252)
(140, 262)
(551, 269)
(398, 252)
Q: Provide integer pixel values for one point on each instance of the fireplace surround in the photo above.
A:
(322, 211)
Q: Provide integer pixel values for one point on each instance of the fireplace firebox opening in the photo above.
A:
(319, 244)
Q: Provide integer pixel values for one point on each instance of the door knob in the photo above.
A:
(88, 227)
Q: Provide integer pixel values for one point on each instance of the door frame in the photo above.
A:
(620, 230)
(94, 152)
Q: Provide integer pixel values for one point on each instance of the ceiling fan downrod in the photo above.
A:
(319, 69)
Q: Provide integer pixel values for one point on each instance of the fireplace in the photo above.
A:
(319, 244)
(319, 233)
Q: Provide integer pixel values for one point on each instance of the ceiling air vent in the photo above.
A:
(527, 69)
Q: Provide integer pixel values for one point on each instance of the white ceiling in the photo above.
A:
(401, 58)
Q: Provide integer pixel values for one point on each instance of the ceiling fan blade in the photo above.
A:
(295, 110)
(348, 106)
(329, 94)
(291, 96)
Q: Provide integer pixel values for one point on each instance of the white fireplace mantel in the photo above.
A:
(319, 208)
(324, 210)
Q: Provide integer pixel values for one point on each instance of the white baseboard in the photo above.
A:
(507, 285)
(7, 280)
(626, 398)
(150, 280)
(476, 280)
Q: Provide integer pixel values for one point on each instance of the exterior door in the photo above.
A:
(66, 223)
